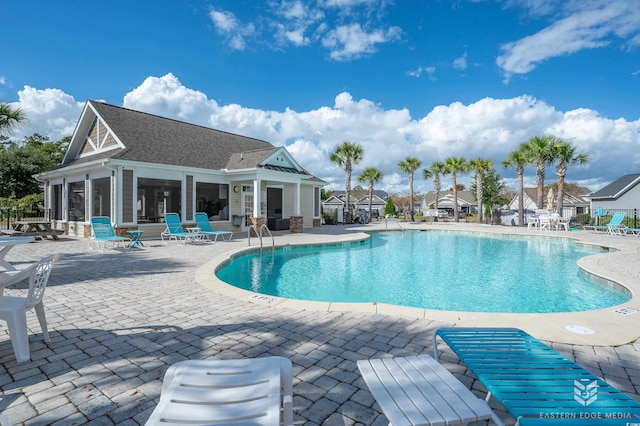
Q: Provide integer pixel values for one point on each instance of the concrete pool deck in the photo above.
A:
(118, 319)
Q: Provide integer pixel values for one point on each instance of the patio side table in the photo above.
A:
(135, 238)
(418, 391)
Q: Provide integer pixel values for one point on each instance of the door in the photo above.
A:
(246, 206)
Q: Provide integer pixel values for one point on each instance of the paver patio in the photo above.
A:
(118, 319)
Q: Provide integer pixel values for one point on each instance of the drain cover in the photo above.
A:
(578, 329)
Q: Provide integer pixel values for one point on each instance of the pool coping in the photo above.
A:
(611, 326)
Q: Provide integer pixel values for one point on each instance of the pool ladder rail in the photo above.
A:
(259, 234)
(386, 224)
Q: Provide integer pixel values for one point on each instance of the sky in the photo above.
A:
(429, 79)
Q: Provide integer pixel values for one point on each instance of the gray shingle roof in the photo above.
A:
(618, 187)
(154, 139)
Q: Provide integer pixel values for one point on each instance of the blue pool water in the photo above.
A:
(433, 270)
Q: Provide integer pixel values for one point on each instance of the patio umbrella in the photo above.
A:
(550, 199)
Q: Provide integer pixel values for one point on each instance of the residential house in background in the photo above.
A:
(359, 199)
(623, 194)
(466, 201)
(134, 167)
(573, 204)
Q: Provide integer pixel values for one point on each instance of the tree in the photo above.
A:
(493, 189)
(371, 175)
(346, 155)
(20, 161)
(410, 165)
(538, 152)
(565, 153)
(480, 166)
(436, 170)
(518, 159)
(10, 118)
(389, 208)
(455, 165)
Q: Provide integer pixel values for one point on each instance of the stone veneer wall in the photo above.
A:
(257, 222)
(316, 223)
(296, 223)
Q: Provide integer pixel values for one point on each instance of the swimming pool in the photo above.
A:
(432, 270)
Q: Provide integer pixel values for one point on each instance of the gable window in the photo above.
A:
(76, 201)
(213, 199)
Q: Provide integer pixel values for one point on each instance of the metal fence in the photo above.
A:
(632, 217)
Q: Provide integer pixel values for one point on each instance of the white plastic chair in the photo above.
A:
(545, 222)
(228, 392)
(13, 310)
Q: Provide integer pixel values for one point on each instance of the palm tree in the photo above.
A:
(538, 150)
(518, 159)
(565, 153)
(455, 165)
(346, 155)
(410, 165)
(480, 166)
(435, 171)
(10, 117)
(371, 175)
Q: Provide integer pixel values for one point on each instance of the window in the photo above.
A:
(76, 201)
(157, 197)
(316, 202)
(56, 202)
(213, 199)
(101, 197)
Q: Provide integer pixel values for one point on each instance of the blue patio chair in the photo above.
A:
(610, 228)
(202, 222)
(175, 231)
(534, 382)
(103, 233)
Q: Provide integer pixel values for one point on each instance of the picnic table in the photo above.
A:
(28, 228)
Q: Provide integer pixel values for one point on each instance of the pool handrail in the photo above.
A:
(259, 234)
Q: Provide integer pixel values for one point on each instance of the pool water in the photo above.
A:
(432, 270)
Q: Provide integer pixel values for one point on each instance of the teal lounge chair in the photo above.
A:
(202, 222)
(175, 231)
(103, 233)
(632, 231)
(534, 383)
(610, 228)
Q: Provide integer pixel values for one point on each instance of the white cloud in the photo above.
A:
(50, 112)
(488, 128)
(167, 97)
(461, 62)
(420, 70)
(348, 42)
(2, 80)
(230, 27)
(349, 29)
(587, 25)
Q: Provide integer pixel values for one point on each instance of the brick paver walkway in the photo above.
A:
(118, 319)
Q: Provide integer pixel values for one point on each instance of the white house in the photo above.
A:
(134, 167)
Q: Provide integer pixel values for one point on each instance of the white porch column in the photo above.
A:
(296, 202)
(257, 198)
